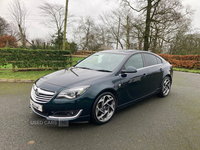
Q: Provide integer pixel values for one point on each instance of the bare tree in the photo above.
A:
(85, 32)
(123, 27)
(14, 31)
(185, 41)
(4, 26)
(155, 22)
(149, 7)
(168, 19)
(103, 37)
(91, 36)
(113, 22)
(137, 32)
(38, 43)
(19, 15)
(55, 17)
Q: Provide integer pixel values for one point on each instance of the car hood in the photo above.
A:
(72, 77)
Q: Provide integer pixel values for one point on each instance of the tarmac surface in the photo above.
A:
(156, 123)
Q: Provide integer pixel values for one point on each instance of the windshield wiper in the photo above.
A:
(102, 70)
(85, 68)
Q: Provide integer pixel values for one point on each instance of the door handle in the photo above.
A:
(144, 75)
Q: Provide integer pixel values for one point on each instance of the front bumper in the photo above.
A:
(58, 111)
(46, 105)
(57, 118)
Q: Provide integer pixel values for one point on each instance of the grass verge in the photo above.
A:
(32, 75)
(186, 70)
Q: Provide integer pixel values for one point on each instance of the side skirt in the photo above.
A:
(136, 100)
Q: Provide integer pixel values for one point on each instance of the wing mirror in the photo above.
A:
(129, 69)
(78, 61)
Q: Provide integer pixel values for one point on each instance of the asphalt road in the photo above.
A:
(171, 123)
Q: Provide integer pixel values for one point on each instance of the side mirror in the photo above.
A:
(129, 69)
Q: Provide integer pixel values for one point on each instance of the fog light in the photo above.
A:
(69, 113)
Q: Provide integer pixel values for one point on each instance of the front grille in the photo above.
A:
(41, 95)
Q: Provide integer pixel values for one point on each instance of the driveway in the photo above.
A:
(156, 123)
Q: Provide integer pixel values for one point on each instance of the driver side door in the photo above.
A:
(134, 85)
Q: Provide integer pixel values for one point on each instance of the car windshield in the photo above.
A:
(106, 62)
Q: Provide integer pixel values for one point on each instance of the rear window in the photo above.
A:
(150, 59)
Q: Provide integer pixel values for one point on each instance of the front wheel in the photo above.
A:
(165, 87)
(104, 108)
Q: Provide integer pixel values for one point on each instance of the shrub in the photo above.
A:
(6, 40)
(183, 61)
(34, 58)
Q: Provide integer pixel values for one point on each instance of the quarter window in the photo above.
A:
(159, 60)
(135, 61)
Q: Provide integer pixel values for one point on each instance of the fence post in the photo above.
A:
(13, 67)
(71, 60)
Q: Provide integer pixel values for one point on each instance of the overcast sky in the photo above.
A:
(76, 8)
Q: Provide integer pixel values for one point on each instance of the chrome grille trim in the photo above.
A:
(41, 95)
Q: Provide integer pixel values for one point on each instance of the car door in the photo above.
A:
(155, 72)
(134, 85)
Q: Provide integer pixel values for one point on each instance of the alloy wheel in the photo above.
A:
(166, 86)
(105, 108)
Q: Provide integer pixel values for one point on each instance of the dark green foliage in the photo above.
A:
(57, 40)
(34, 58)
(72, 46)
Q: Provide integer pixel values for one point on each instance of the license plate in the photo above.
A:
(36, 106)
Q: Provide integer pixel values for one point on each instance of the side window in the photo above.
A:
(159, 60)
(150, 59)
(135, 61)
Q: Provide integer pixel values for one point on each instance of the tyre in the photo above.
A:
(103, 108)
(165, 87)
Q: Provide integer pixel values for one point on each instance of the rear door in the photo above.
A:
(155, 71)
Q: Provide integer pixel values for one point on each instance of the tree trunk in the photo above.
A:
(140, 41)
(155, 42)
(22, 36)
(59, 40)
(127, 35)
(147, 28)
(65, 26)
(118, 33)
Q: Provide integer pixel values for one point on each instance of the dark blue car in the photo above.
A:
(100, 84)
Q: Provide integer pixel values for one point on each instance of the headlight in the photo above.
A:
(73, 92)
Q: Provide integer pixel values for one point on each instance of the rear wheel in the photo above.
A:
(104, 108)
(165, 87)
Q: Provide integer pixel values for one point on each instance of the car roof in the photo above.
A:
(126, 52)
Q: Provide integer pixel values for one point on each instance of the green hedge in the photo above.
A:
(34, 58)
